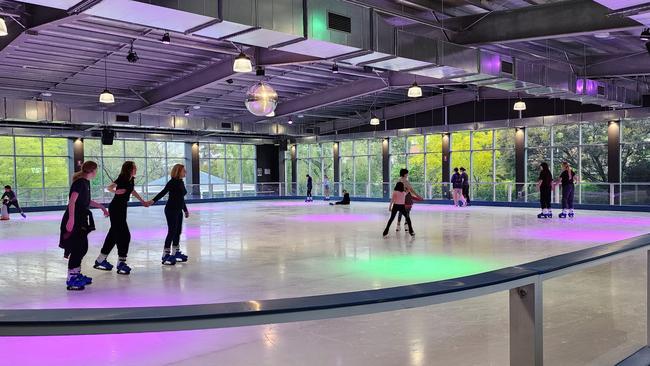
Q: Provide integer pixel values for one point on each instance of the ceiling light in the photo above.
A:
(335, 68)
(132, 56)
(290, 121)
(374, 121)
(645, 35)
(272, 114)
(166, 39)
(3, 28)
(260, 71)
(242, 63)
(46, 94)
(519, 106)
(186, 112)
(301, 115)
(601, 35)
(106, 97)
(197, 107)
(414, 91)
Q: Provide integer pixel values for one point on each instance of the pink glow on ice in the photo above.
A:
(347, 217)
(576, 235)
(286, 204)
(51, 217)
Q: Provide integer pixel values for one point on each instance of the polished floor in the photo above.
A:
(274, 249)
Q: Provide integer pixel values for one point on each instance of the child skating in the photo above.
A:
(397, 204)
(12, 200)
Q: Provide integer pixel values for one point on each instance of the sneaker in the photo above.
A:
(103, 266)
(123, 268)
(180, 257)
(76, 283)
(168, 260)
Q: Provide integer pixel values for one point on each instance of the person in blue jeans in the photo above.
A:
(11, 200)
(568, 179)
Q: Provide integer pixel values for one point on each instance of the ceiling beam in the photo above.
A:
(553, 20)
(635, 64)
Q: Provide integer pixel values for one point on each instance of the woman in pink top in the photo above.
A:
(397, 204)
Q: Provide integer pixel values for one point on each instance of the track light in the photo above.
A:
(335, 68)
(260, 71)
(519, 106)
(186, 112)
(3, 28)
(132, 56)
(242, 63)
(106, 97)
(374, 121)
(414, 91)
(645, 35)
(166, 39)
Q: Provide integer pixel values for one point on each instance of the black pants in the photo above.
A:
(308, 191)
(567, 196)
(77, 247)
(545, 197)
(15, 204)
(466, 193)
(399, 215)
(118, 233)
(401, 209)
(174, 227)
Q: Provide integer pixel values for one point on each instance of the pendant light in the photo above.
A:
(414, 91)
(374, 121)
(3, 28)
(106, 97)
(519, 106)
(242, 63)
(166, 39)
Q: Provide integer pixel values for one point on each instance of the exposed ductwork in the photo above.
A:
(357, 35)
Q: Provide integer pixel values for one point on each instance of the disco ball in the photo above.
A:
(261, 99)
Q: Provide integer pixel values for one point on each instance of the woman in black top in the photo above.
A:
(119, 233)
(568, 179)
(77, 223)
(174, 213)
(545, 186)
(457, 186)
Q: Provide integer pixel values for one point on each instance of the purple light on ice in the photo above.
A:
(285, 204)
(51, 217)
(349, 217)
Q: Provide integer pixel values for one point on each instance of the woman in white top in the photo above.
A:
(397, 204)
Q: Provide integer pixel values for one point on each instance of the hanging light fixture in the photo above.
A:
(374, 121)
(166, 39)
(3, 28)
(645, 35)
(106, 97)
(414, 91)
(290, 121)
(519, 106)
(186, 112)
(132, 56)
(242, 63)
(335, 68)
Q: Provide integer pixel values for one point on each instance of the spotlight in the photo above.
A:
(260, 71)
(519, 106)
(414, 91)
(335, 68)
(374, 121)
(242, 63)
(166, 39)
(3, 28)
(187, 112)
(229, 81)
(132, 56)
(645, 35)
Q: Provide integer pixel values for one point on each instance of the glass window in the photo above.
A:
(6, 171)
(375, 147)
(315, 150)
(482, 140)
(569, 154)
(217, 151)
(415, 144)
(566, 135)
(434, 143)
(460, 159)
(29, 146)
(248, 171)
(302, 151)
(176, 149)
(361, 147)
(397, 162)
(155, 149)
(233, 172)
(7, 146)
(481, 169)
(29, 172)
(594, 133)
(92, 147)
(434, 167)
(217, 171)
(505, 138)
(328, 168)
(460, 141)
(635, 130)
(397, 145)
(538, 136)
(233, 152)
(248, 151)
(345, 148)
(594, 164)
(635, 163)
(415, 165)
(55, 147)
(505, 165)
(535, 157)
(133, 148)
(347, 170)
(117, 149)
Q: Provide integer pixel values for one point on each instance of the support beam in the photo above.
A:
(426, 104)
(520, 160)
(385, 167)
(624, 65)
(546, 21)
(526, 325)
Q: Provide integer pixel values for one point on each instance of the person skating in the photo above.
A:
(568, 179)
(345, 201)
(396, 205)
(174, 209)
(465, 177)
(309, 188)
(545, 187)
(119, 234)
(410, 196)
(457, 186)
(77, 223)
(12, 200)
(326, 188)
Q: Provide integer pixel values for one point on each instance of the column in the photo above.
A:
(520, 160)
(385, 166)
(77, 154)
(193, 169)
(446, 162)
(294, 171)
(614, 159)
(337, 169)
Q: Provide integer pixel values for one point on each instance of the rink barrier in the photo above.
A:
(524, 283)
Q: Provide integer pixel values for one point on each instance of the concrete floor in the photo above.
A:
(274, 249)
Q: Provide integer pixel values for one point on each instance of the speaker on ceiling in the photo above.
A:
(107, 136)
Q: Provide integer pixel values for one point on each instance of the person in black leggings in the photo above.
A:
(310, 185)
(174, 214)
(568, 179)
(397, 204)
(77, 223)
(12, 200)
(545, 185)
(123, 187)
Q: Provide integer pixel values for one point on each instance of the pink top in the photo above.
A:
(399, 198)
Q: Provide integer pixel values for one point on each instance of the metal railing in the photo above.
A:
(614, 194)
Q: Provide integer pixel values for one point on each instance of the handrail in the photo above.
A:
(188, 317)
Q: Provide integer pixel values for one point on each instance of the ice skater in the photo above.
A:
(457, 186)
(465, 177)
(4, 210)
(397, 204)
(545, 187)
(309, 188)
(174, 209)
(344, 201)
(568, 179)
(326, 187)
(77, 223)
(119, 234)
(410, 196)
(12, 200)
